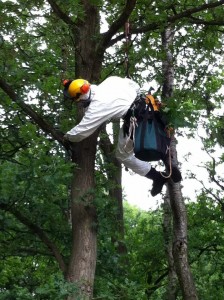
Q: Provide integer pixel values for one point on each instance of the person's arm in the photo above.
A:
(95, 116)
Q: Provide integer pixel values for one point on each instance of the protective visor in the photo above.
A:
(68, 96)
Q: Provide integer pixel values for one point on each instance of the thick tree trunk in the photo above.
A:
(85, 36)
(82, 264)
(81, 270)
(179, 254)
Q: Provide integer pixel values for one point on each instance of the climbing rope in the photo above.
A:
(170, 158)
(127, 43)
(170, 165)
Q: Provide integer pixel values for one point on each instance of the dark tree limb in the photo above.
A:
(39, 232)
(172, 20)
(43, 124)
(117, 24)
(59, 12)
(207, 23)
(189, 12)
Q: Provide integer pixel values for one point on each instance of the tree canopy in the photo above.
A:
(62, 206)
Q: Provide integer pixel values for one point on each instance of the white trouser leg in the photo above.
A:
(126, 156)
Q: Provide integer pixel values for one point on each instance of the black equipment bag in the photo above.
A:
(151, 142)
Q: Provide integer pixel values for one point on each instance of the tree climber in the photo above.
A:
(111, 100)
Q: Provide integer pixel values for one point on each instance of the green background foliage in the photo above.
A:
(36, 52)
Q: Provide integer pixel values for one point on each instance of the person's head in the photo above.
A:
(75, 89)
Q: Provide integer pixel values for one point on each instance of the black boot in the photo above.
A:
(158, 181)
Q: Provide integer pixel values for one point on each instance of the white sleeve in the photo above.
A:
(93, 118)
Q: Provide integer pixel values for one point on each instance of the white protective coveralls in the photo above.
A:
(110, 100)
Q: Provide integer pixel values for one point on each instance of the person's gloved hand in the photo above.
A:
(71, 147)
(67, 144)
(65, 137)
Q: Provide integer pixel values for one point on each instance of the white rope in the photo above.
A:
(129, 145)
(170, 164)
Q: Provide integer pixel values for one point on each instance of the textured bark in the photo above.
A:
(82, 264)
(172, 287)
(177, 253)
(85, 36)
(81, 269)
(180, 245)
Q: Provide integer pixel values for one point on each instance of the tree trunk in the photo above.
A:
(179, 253)
(180, 246)
(82, 264)
(85, 36)
(171, 291)
(81, 269)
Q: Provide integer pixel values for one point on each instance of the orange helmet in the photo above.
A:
(76, 88)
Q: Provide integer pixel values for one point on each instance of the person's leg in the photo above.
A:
(159, 179)
(125, 155)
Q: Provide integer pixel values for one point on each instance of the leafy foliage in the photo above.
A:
(37, 51)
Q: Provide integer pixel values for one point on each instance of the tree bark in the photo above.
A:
(81, 269)
(178, 257)
(171, 290)
(180, 244)
(82, 264)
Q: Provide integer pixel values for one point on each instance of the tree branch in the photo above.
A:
(191, 11)
(24, 252)
(210, 248)
(46, 127)
(209, 23)
(117, 24)
(57, 10)
(171, 20)
(39, 232)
